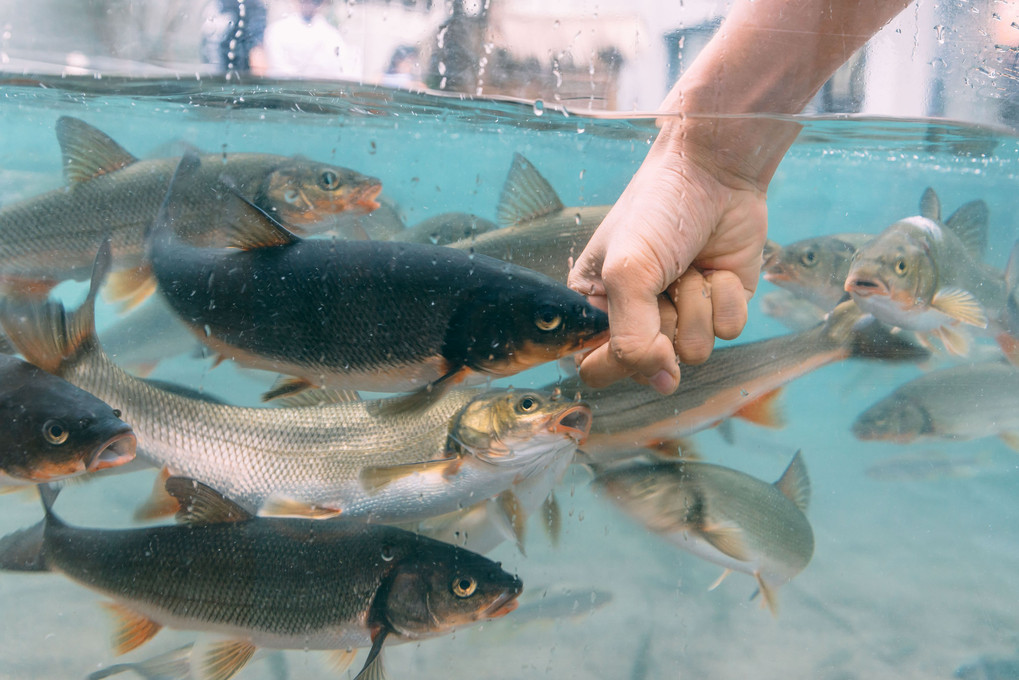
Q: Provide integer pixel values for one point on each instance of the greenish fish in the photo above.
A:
(721, 515)
(814, 269)
(335, 585)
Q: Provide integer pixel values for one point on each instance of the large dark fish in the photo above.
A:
(53, 237)
(274, 583)
(369, 315)
(52, 430)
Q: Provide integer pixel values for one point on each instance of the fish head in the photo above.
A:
(896, 274)
(662, 495)
(56, 432)
(528, 321)
(813, 268)
(899, 420)
(442, 587)
(299, 192)
(516, 428)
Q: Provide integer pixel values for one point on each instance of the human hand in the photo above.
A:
(680, 249)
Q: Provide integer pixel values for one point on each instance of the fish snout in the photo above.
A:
(365, 197)
(506, 602)
(863, 286)
(117, 450)
(574, 421)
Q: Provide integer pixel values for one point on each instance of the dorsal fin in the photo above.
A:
(795, 484)
(526, 195)
(88, 152)
(200, 504)
(969, 223)
(251, 227)
(930, 206)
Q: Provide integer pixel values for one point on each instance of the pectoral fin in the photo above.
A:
(727, 540)
(286, 386)
(372, 669)
(201, 504)
(509, 506)
(721, 577)
(961, 306)
(376, 477)
(223, 660)
(130, 287)
(955, 341)
(132, 629)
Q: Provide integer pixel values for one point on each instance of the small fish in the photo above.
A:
(53, 430)
(815, 269)
(540, 233)
(736, 381)
(791, 311)
(334, 585)
(379, 316)
(929, 466)
(53, 237)
(721, 515)
(446, 228)
(927, 276)
(342, 457)
(961, 402)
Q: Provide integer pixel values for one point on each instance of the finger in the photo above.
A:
(695, 334)
(669, 318)
(728, 304)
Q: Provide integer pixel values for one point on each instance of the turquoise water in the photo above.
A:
(908, 579)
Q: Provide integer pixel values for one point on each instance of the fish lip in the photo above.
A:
(117, 450)
(574, 421)
(505, 603)
(775, 273)
(861, 286)
(365, 198)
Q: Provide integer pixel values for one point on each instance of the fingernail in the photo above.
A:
(663, 382)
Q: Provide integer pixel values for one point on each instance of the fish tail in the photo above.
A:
(46, 333)
(24, 550)
(866, 338)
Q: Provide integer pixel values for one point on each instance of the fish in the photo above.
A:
(740, 381)
(54, 430)
(336, 585)
(172, 665)
(538, 231)
(722, 515)
(360, 315)
(967, 401)
(815, 268)
(926, 276)
(150, 333)
(928, 466)
(53, 237)
(795, 313)
(446, 228)
(338, 457)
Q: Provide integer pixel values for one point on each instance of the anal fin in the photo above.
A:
(375, 478)
(718, 581)
(767, 594)
(763, 410)
(281, 506)
(222, 660)
(132, 630)
(340, 659)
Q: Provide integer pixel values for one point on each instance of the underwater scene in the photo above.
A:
(283, 313)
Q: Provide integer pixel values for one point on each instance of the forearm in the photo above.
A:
(768, 57)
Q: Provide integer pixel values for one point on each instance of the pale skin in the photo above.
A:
(678, 257)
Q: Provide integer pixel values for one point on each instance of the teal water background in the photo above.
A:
(908, 579)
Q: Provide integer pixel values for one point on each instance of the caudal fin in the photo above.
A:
(49, 336)
(23, 549)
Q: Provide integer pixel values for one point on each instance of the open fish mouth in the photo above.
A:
(115, 451)
(365, 198)
(774, 273)
(575, 422)
(864, 287)
(770, 255)
(505, 603)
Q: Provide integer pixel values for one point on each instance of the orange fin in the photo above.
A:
(133, 629)
(281, 506)
(88, 152)
(721, 577)
(674, 449)
(160, 504)
(961, 306)
(764, 410)
(222, 660)
(285, 386)
(795, 484)
(768, 598)
(340, 659)
(1009, 346)
(375, 477)
(32, 290)
(955, 341)
(130, 287)
(510, 507)
(727, 540)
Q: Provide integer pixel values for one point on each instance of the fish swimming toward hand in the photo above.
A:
(721, 515)
(345, 457)
(379, 316)
(967, 401)
(335, 585)
(927, 276)
(53, 237)
(53, 430)
(815, 269)
(736, 381)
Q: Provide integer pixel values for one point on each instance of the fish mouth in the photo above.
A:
(574, 421)
(504, 604)
(365, 197)
(770, 255)
(116, 450)
(864, 287)
(774, 273)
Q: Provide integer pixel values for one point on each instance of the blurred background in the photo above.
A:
(954, 59)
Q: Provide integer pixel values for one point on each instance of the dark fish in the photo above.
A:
(273, 583)
(369, 315)
(52, 237)
(53, 430)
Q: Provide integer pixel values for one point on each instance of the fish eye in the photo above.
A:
(900, 267)
(808, 258)
(54, 432)
(116, 413)
(548, 319)
(527, 404)
(464, 586)
(329, 180)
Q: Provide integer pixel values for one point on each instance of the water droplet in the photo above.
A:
(576, 219)
(539, 107)
(939, 30)
(555, 24)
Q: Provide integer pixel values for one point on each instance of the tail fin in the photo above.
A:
(45, 333)
(866, 338)
(23, 549)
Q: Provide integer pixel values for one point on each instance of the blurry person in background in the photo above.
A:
(403, 69)
(303, 44)
(232, 32)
